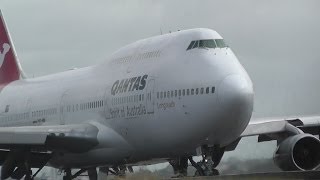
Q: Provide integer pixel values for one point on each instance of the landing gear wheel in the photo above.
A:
(67, 175)
(122, 170)
(210, 160)
(206, 168)
(217, 155)
(66, 178)
(180, 166)
(28, 169)
(92, 173)
(28, 176)
(215, 172)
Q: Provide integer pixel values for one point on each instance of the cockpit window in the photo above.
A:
(207, 43)
(196, 44)
(220, 43)
(191, 45)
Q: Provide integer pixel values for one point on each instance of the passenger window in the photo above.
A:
(201, 90)
(161, 95)
(197, 91)
(183, 92)
(171, 94)
(158, 95)
(188, 92)
(207, 90)
(179, 92)
(175, 93)
(168, 94)
(213, 89)
(164, 95)
(192, 91)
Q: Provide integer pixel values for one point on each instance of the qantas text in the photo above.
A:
(130, 84)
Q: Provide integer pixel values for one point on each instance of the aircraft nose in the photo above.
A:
(235, 94)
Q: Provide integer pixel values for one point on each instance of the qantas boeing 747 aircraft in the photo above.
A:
(165, 98)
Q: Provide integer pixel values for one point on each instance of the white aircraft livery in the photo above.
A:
(161, 99)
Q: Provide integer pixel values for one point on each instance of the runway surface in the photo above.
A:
(268, 175)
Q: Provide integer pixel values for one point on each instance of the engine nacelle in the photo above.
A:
(299, 152)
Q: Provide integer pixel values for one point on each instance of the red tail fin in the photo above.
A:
(9, 65)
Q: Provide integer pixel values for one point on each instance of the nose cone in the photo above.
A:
(235, 96)
(235, 92)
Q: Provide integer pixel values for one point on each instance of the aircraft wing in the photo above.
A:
(66, 138)
(278, 128)
(308, 124)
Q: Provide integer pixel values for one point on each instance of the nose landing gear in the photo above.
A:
(210, 160)
(206, 167)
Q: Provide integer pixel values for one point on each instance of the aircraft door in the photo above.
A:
(107, 104)
(150, 96)
(29, 110)
(63, 109)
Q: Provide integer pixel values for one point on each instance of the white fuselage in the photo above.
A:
(174, 100)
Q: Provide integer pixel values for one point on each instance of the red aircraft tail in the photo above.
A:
(10, 69)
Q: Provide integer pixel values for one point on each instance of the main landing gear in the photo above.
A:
(92, 173)
(206, 167)
(116, 170)
(18, 164)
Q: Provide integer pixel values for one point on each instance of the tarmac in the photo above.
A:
(267, 175)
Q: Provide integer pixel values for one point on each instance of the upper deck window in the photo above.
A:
(207, 43)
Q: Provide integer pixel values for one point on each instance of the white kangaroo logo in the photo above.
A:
(6, 48)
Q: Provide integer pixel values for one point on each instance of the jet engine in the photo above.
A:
(298, 152)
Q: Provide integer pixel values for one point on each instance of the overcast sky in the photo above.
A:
(276, 41)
